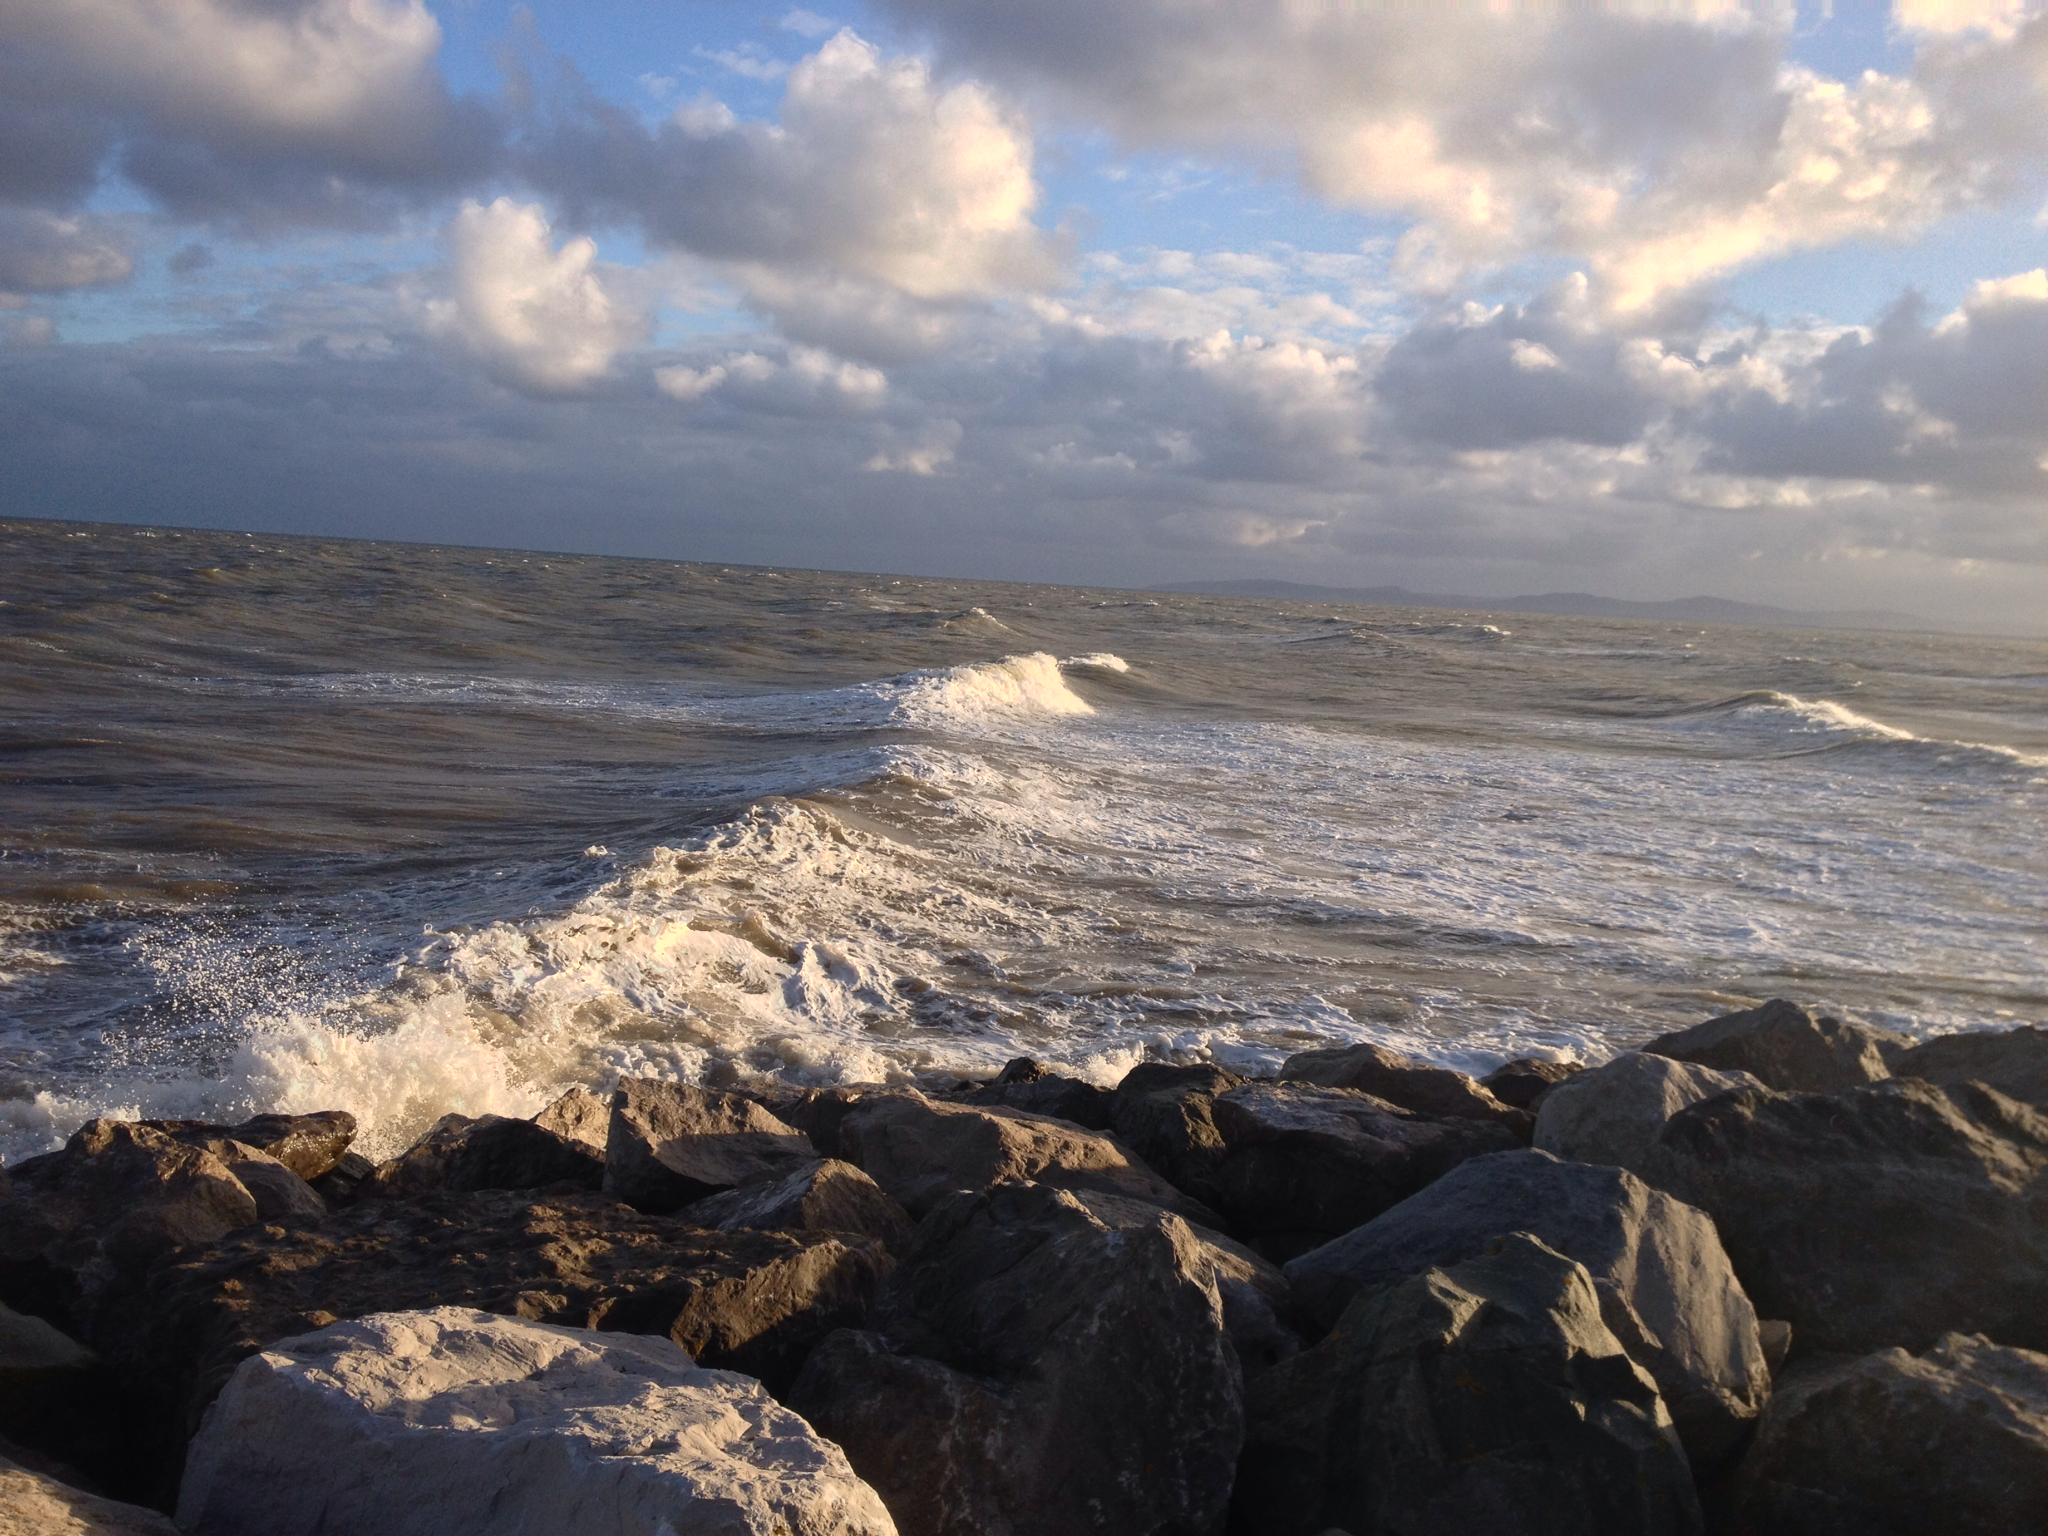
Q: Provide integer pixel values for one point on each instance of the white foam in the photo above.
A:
(984, 693)
(1828, 724)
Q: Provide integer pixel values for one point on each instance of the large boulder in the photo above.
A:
(1033, 1371)
(1785, 1047)
(819, 1112)
(1524, 1081)
(1615, 1113)
(490, 1152)
(1666, 1288)
(1166, 1114)
(1953, 1442)
(2014, 1061)
(56, 1396)
(671, 1143)
(748, 1301)
(33, 1504)
(452, 1422)
(921, 1150)
(279, 1193)
(118, 1196)
(1487, 1395)
(1886, 1216)
(825, 1196)
(1402, 1080)
(1302, 1164)
(309, 1145)
(1030, 1085)
(579, 1116)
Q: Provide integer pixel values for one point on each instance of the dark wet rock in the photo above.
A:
(1165, 1114)
(1258, 1302)
(1402, 1080)
(58, 1398)
(1615, 1113)
(491, 1152)
(341, 1183)
(1033, 1371)
(309, 1145)
(1666, 1287)
(1953, 1442)
(118, 1196)
(825, 1196)
(1525, 1081)
(1786, 1048)
(2014, 1061)
(1886, 1216)
(280, 1194)
(579, 1116)
(1303, 1164)
(34, 1504)
(1486, 1395)
(818, 1112)
(748, 1301)
(1029, 1085)
(921, 1150)
(1775, 1334)
(669, 1144)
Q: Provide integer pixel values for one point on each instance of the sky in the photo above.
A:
(1648, 299)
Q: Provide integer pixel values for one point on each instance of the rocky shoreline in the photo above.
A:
(1775, 1274)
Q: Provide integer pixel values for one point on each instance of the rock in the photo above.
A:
(818, 1112)
(2014, 1061)
(1953, 1442)
(1615, 1113)
(1303, 1164)
(1484, 1396)
(1258, 1303)
(1775, 1334)
(921, 1150)
(280, 1194)
(1886, 1216)
(34, 1505)
(450, 1421)
(1524, 1082)
(579, 1116)
(670, 1143)
(341, 1183)
(57, 1397)
(1666, 1287)
(1033, 1371)
(309, 1145)
(1165, 1115)
(1029, 1085)
(827, 1196)
(1404, 1081)
(115, 1198)
(1785, 1047)
(749, 1301)
(492, 1152)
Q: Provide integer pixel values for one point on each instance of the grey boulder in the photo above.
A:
(1886, 1216)
(1029, 1085)
(452, 1422)
(1166, 1114)
(1615, 1113)
(309, 1145)
(1402, 1080)
(826, 1196)
(1953, 1442)
(1666, 1287)
(1524, 1081)
(1034, 1371)
(1785, 1047)
(1484, 1396)
(1302, 1164)
(669, 1144)
(491, 1152)
(2014, 1061)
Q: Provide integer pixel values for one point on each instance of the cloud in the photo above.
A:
(541, 319)
(899, 196)
(285, 110)
(1661, 145)
(807, 381)
(43, 253)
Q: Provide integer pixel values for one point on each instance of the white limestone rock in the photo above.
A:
(451, 1422)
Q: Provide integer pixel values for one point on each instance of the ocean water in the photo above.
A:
(298, 824)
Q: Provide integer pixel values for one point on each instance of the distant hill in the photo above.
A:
(1680, 610)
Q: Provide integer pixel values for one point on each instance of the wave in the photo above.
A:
(1801, 726)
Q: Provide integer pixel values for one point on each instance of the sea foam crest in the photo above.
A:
(981, 692)
(1824, 725)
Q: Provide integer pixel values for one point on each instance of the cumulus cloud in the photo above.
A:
(900, 195)
(1659, 144)
(43, 253)
(542, 319)
(807, 381)
(289, 109)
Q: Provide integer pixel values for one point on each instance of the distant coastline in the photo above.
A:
(1681, 610)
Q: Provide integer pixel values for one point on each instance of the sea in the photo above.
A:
(299, 823)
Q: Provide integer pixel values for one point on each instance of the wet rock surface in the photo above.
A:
(668, 1144)
(1031, 1086)
(309, 1145)
(451, 1421)
(1487, 1395)
(825, 1196)
(1404, 1081)
(1525, 1081)
(1952, 1442)
(1031, 1369)
(1785, 1047)
(460, 1154)
(1166, 1115)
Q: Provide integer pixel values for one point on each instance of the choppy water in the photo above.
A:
(295, 824)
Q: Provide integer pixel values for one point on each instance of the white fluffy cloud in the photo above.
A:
(543, 319)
